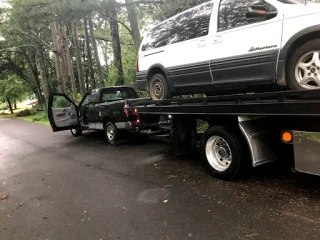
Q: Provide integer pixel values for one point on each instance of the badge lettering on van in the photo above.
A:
(252, 49)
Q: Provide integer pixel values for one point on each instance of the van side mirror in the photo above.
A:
(256, 11)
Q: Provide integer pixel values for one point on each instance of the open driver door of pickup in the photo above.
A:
(63, 113)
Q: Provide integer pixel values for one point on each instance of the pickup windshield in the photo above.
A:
(114, 94)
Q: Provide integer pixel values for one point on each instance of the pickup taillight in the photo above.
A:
(126, 110)
(137, 64)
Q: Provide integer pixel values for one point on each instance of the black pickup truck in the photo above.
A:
(101, 109)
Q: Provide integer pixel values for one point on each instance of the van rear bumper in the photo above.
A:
(141, 80)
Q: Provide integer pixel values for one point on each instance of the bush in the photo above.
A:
(35, 109)
(40, 117)
(24, 113)
(3, 107)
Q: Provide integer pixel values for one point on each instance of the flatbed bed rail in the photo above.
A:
(283, 103)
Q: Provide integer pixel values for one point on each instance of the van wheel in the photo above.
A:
(221, 152)
(111, 133)
(303, 68)
(76, 132)
(159, 89)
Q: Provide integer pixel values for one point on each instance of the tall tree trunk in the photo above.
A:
(55, 50)
(69, 67)
(105, 56)
(116, 42)
(10, 106)
(15, 104)
(78, 57)
(100, 81)
(89, 56)
(132, 17)
(43, 74)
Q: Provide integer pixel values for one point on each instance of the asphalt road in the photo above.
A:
(55, 186)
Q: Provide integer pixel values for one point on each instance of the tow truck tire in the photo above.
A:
(221, 152)
(111, 133)
(76, 132)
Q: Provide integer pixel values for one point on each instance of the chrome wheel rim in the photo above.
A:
(218, 153)
(307, 70)
(110, 133)
(158, 90)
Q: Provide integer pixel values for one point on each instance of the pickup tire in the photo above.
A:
(76, 132)
(111, 133)
(222, 153)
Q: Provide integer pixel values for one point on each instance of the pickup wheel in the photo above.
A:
(76, 132)
(159, 89)
(303, 67)
(221, 152)
(111, 133)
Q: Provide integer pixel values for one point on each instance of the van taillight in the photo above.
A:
(137, 64)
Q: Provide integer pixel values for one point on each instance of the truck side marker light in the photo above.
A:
(286, 137)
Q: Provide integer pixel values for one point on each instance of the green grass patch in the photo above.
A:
(40, 118)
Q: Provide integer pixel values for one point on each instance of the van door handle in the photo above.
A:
(217, 39)
(201, 43)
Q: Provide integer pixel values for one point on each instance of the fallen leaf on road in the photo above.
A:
(167, 238)
(252, 235)
(165, 201)
(209, 210)
(190, 235)
(167, 186)
(3, 197)
(84, 211)
(82, 220)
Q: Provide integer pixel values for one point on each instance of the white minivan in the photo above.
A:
(232, 46)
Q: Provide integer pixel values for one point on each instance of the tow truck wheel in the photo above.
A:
(76, 132)
(111, 133)
(221, 152)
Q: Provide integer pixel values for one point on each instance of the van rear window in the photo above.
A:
(191, 24)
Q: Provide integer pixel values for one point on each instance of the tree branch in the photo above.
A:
(111, 18)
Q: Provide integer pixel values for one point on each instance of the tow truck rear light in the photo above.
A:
(137, 64)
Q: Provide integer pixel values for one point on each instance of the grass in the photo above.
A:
(40, 118)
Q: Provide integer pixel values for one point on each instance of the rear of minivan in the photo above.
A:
(165, 52)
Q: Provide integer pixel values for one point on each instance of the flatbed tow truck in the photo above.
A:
(244, 129)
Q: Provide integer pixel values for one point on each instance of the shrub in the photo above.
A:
(3, 107)
(24, 113)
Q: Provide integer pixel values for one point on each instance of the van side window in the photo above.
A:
(193, 23)
(232, 13)
(159, 36)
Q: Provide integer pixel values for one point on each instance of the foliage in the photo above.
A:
(24, 113)
(3, 106)
(26, 39)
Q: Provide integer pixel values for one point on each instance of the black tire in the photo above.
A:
(313, 45)
(111, 136)
(158, 87)
(236, 166)
(76, 132)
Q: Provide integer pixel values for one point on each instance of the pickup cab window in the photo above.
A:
(113, 94)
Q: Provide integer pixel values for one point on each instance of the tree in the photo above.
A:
(132, 17)
(12, 89)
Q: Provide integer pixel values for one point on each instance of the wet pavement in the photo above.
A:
(55, 186)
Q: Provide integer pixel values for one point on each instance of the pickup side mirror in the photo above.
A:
(257, 11)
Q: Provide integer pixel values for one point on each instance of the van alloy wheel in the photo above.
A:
(307, 70)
